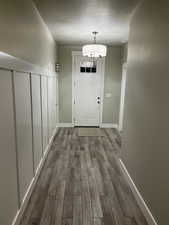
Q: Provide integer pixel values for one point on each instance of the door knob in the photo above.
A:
(98, 98)
(98, 102)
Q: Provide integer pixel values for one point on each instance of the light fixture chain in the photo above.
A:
(94, 33)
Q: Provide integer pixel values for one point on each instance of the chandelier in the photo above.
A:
(94, 50)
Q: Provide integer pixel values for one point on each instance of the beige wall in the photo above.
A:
(24, 34)
(146, 123)
(113, 67)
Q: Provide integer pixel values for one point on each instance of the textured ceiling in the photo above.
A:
(72, 21)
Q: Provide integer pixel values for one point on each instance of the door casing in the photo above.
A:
(122, 98)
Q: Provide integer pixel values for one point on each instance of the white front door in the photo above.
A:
(87, 85)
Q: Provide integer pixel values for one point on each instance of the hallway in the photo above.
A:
(81, 184)
(84, 112)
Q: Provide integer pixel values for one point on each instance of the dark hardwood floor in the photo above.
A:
(81, 184)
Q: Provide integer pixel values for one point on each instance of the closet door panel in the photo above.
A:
(24, 130)
(49, 107)
(44, 94)
(54, 113)
(37, 120)
(51, 104)
(57, 101)
(8, 171)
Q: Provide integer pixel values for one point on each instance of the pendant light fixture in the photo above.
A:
(94, 50)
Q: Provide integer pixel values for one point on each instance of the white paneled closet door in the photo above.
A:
(51, 104)
(23, 130)
(44, 95)
(57, 100)
(36, 118)
(54, 105)
(49, 107)
(8, 171)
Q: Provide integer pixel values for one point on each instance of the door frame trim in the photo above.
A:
(79, 53)
(122, 95)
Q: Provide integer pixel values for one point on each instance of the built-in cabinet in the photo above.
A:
(28, 118)
(23, 120)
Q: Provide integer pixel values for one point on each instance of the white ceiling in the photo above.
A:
(72, 21)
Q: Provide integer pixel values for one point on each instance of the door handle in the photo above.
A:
(98, 102)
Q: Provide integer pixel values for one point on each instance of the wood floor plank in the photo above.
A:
(67, 221)
(108, 216)
(86, 196)
(55, 177)
(97, 221)
(70, 182)
(68, 207)
(95, 197)
(99, 178)
(77, 210)
(59, 206)
(77, 181)
(48, 211)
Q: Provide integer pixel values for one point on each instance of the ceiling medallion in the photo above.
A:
(94, 50)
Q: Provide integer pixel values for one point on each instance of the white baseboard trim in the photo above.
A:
(65, 125)
(31, 187)
(143, 206)
(109, 125)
